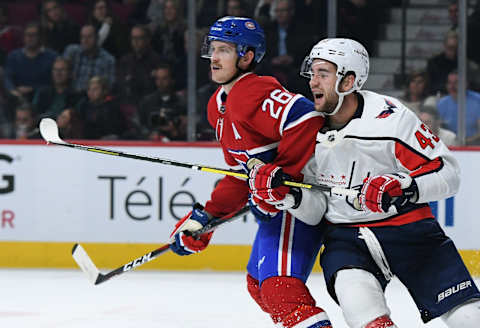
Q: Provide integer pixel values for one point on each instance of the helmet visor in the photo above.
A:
(306, 68)
(206, 51)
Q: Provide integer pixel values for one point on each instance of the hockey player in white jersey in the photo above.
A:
(373, 143)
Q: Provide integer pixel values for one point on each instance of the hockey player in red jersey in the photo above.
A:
(375, 144)
(256, 117)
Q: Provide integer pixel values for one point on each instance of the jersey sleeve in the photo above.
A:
(280, 117)
(427, 159)
(298, 127)
(230, 194)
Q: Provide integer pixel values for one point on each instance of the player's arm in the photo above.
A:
(426, 169)
(297, 126)
(229, 196)
(427, 160)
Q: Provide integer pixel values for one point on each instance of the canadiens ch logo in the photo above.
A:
(387, 112)
(250, 25)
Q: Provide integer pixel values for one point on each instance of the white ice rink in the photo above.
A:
(147, 299)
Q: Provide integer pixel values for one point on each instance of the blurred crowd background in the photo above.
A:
(117, 70)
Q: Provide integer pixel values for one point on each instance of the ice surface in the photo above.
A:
(144, 299)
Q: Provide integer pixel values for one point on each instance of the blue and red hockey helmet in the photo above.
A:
(245, 33)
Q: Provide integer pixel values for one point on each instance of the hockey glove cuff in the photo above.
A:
(292, 200)
(262, 210)
(181, 240)
(378, 193)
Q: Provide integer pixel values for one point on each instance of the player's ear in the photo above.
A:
(245, 61)
(347, 82)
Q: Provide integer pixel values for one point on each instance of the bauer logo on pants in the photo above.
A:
(454, 289)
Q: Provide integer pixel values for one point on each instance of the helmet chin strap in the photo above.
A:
(341, 96)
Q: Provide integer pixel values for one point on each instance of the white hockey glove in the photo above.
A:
(291, 200)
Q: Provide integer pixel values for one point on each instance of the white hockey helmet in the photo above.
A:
(349, 56)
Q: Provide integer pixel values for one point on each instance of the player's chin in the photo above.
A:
(318, 108)
(218, 78)
(319, 105)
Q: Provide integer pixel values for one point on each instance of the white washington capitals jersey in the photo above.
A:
(383, 137)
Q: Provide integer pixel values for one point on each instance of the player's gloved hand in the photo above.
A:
(380, 192)
(291, 200)
(181, 240)
(261, 209)
(266, 182)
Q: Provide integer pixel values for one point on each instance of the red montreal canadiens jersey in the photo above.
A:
(259, 118)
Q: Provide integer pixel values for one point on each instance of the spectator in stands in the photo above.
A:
(58, 30)
(311, 13)
(237, 8)
(286, 40)
(440, 65)
(8, 103)
(453, 15)
(473, 31)
(10, 36)
(154, 13)
(5, 124)
(473, 28)
(208, 11)
(162, 113)
(50, 101)
(25, 123)
(359, 20)
(134, 70)
(111, 32)
(448, 110)
(28, 68)
(70, 125)
(416, 93)
(203, 66)
(99, 112)
(429, 116)
(262, 12)
(314, 13)
(168, 39)
(203, 127)
(89, 60)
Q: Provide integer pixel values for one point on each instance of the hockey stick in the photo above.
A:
(49, 132)
(96, 277)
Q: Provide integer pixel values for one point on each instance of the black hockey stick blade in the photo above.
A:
(96, 277)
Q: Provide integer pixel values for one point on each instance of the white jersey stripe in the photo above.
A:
(319, 318)
(280, 245)
(286, 111)
(262, 149)
(285, 243)
(301, 120)
(290, 244)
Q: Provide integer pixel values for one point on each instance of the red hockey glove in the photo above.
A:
(181, 240)
(266, 182)
(378, 193)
